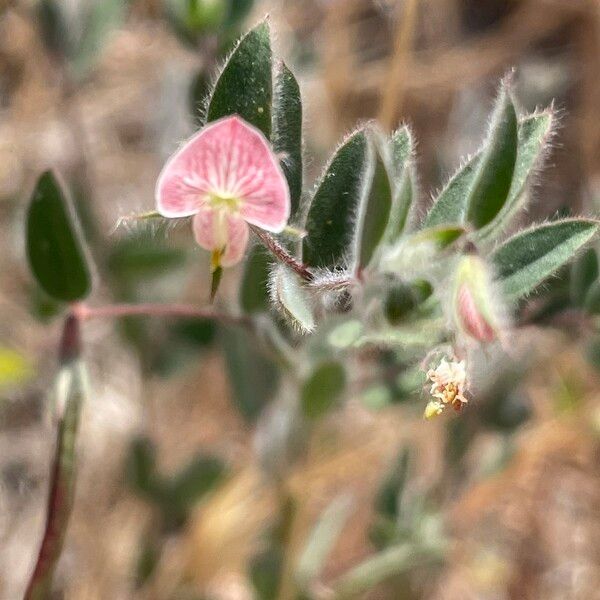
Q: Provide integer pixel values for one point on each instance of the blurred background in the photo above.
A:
(190, 486)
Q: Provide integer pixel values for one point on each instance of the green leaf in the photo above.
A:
(402, 149)
(390, 493)
(140, 468)
(529, 257)
(492, 180)
(450, 204)
(405, 182)
(345, 334)
(331, 217)
(194, 481)
(287, 131)
(254, 292)
(322, 539)
(290, 295)
(375, 214)
(322, 389)
(252, 376)
(584, 272)
(245, 84)
(403, 200)
(55, 252)
(534, 132)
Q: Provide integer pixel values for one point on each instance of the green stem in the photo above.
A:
(382, 566)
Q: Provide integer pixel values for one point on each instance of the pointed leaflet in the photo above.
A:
(375, 213)
(331, 217)
(55, 252)
(534, 133)
(287, 131)
(491, 182)
(290, 295)
(450, 205)
(529, 257)
(404, 178)
(244, 86)
(402, 149)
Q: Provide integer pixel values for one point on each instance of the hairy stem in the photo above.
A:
(281, 254)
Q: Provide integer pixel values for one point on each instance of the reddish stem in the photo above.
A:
(282, 254)
(85, 312)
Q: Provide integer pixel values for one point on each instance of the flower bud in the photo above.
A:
(476, 311)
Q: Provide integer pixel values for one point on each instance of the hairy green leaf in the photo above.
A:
(450, 206)
(290, 295)
(331, 218)
(529, 257)
(287, 131)
(55, 252)
(375, 214)
(322, 389)
(402, 149)
(245, 84)
(492, 179)
(534, 133)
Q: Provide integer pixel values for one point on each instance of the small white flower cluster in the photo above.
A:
(449, 382)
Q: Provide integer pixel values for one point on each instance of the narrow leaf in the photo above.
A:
(375, 214)
(292, 298)
(534, 133)
(402, 149)
(245, 84)
(322, 540)
(287, 131)
(322, 389)
(253, 376)
(529, 257)
(450, 205)
(54, 249)
(331, 217)
(492, 180)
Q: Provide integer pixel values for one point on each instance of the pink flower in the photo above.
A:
(227, 176)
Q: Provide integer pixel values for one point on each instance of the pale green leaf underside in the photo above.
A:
(292, 298)
(528, 258)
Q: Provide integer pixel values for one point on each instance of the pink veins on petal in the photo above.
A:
(228, 176)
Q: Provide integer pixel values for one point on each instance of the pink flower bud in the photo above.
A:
(476, 311)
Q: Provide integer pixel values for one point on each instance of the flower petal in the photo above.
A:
(228, 158)
(220, 230)
(255, 177)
